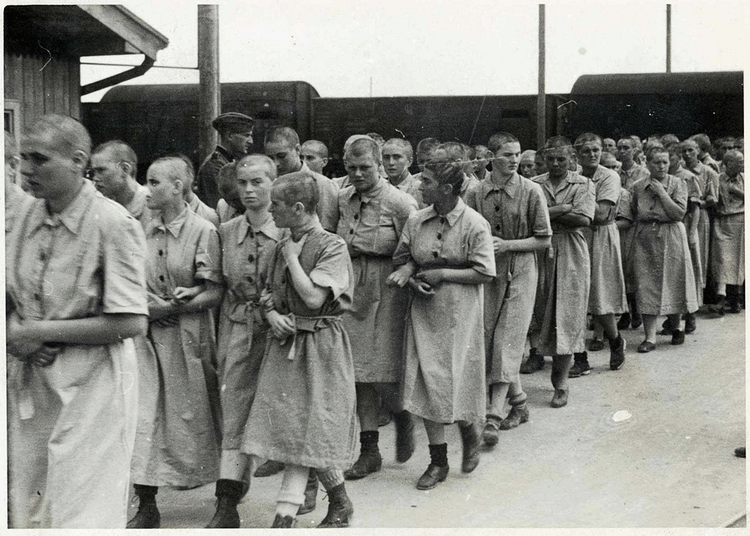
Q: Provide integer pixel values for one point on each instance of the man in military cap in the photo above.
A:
(235, 136)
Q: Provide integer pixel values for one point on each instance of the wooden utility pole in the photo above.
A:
(541, 102)
(208, 66)
(669, 38)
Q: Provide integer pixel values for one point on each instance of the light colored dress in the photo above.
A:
(708, 183)
(607, 293)
(246, 256)
(371, 225)
(328, 195)
(444, 363)
(693, 188)
(304, 407)
(514, 211)
(71, 425)
(728, 254)
(565, 270)
(177, 441)
(665, 283)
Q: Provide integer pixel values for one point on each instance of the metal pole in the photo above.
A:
(208, 66)
(541, 104)
(669, 38)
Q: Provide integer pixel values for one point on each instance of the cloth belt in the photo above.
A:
(307, 324)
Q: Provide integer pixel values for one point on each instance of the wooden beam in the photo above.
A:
(541, 101)
(208, 67)
(129, 27)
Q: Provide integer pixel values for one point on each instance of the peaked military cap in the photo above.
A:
(233, 121)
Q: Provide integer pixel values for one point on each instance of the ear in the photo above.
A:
(325, 162)
(179, 186)
(80, 159)
(299, 208)
(126, 168)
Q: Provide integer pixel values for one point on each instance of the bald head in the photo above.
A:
(315, 154)
(69, 136)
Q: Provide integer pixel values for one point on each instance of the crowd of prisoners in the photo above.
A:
(272, 315)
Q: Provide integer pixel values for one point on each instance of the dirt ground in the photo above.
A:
(650, 445)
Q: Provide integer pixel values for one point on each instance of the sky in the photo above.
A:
(440, 47)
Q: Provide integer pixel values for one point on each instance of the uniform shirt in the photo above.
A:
(624, 209)
(606, 188)
(85, 261)
(460, 239)
(731, 202)
(246, 256)
(137, 206)
(328, 194)
(515, 210)
(341, 182)
(410, 185)
(371, 223)
(646, 205)
(707, 160)
(691, 181)
(633, 175)
(708, 181)
(470, 182)
(574, 189)
(181, 253)
(204, 211)
(226, 212)
(208, 173)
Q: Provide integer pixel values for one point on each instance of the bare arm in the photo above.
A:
(102, 329)
(312, 295)
(574, 220)
(532, 243)
(604, 210)
(462, 276)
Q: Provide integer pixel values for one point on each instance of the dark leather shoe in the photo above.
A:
(286, 522)
(311, 494)
(147, 517)
(368, 462)
(689, 323)
(739, 452)
(678, 337)
(269, 468)
(515, 417)
(470, 441)
(404, 436)
(560, 399)
(340, 509)
(646, 347)
(533, 363)
(617, 353)
(490, 435)
(636, 321)
(596, 345)
(624, 322)
(432, 476)
(226, 516)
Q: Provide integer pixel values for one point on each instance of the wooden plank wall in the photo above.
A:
(51, 88)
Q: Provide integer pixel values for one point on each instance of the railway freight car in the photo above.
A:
(471, 119)
(159, 119)
(683, 104)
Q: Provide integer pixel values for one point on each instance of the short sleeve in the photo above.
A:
(538, 212)
(406, 206)
(712, 185)
(609, 188)
(584, 200)
(481, 253)
(333, 268)
(402, 255)
(624, 210)
(124, 267)
(328, 203)
(680, 195)
(208, 256)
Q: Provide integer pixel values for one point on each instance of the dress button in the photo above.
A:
(356, 216)
(442, 219)
(249, 279)
(497, 209)
(250, 258)
(351, 231)
(37, 297)
(42, 256)
(435, 254)
(161, 278)
(161, 252)
(440, 236)
(497, 227)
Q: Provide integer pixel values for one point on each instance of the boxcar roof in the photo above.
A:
(729, 82)
(189, 92)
